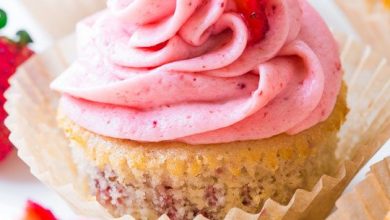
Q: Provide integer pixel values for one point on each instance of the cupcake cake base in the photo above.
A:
(148, 180)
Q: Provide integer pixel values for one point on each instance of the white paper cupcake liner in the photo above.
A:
(32, 110)
(370, 199)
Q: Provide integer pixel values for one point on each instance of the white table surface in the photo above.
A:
(17, 184)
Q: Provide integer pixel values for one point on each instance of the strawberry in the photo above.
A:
(12, 54)
(34, 211)
(253, 12)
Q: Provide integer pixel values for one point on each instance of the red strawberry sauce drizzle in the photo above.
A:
(253, 12)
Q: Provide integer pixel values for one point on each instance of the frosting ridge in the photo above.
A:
(184, 70)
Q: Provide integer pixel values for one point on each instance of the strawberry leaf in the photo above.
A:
(3, 18)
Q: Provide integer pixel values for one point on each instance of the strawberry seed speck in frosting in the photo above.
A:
(202, 71)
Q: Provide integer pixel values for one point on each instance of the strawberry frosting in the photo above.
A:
(183, 70)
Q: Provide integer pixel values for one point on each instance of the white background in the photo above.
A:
(17, 184)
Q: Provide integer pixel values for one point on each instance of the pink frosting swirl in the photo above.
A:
(153, 70)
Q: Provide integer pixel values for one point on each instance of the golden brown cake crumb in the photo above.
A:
(147, 180)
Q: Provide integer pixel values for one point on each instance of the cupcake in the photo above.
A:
(196, 107)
